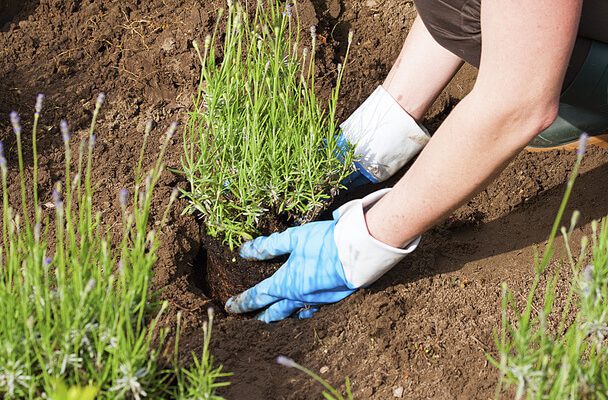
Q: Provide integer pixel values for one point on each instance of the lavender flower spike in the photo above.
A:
(172, 129)
(57, 198)
(16, 122)
(123, 197)
(149, 126)
(174, 194)
(101, 98)
(65, 130)
(92, 140)
(286, 362)
(121, 266)
(288, 11)
(582, 146)
(39, 101)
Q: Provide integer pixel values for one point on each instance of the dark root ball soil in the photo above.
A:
(224, 274)
(423, 330)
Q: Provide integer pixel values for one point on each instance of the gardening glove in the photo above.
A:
(385, 138)
(328, 261)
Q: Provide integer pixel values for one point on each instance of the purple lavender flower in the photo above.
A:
(123, 196)
(582, 146)
(39, 101)
(101, 98)
(56, 196)
(16, 122)
(288, 11)
(149, 126)
(47, 261)
(65, 130)
(57, 199)
(172, 129)
(286, 362)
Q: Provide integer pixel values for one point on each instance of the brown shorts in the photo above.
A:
(456, 25)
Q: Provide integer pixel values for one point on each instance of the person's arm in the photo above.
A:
(525, 53)
(385, 130)
(526, 48)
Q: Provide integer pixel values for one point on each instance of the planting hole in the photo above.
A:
(220, 273)
(9, 9)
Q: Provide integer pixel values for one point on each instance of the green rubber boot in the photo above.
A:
(583, 106)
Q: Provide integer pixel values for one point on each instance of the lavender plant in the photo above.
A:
(78, 307)
(259, 141)
(541, 361)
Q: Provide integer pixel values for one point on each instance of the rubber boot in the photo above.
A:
(583, 106)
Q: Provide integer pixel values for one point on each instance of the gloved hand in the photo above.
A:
(328, 261)
(385, 138)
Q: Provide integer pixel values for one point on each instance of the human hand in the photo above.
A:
(328, 261)
(385, 138)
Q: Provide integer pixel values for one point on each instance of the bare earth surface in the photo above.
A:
(425, 327)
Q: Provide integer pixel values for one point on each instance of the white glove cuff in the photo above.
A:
(384, 135)
(364, 258)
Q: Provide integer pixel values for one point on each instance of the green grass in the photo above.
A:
(77, 305)
(259, 142)
(542, 360)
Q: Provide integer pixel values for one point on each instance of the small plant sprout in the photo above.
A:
(259, 142)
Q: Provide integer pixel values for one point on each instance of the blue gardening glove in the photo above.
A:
(328, 261)
(385, 138)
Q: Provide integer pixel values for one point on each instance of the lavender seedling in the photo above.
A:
(259, 141)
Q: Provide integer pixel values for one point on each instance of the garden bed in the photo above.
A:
(424, 327)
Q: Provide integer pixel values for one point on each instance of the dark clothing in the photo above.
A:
(456, 25)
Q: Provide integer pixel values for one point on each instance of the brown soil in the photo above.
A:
(424, 327)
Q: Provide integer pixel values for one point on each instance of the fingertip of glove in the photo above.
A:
(246, 251)
(307, 313)
(229, 306)
(265, 317)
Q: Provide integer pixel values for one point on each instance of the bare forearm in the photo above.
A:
(471, 147)
(523, 62)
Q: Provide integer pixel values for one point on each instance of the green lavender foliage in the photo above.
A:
(77, 306)
(541, 361)
(259, 140)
